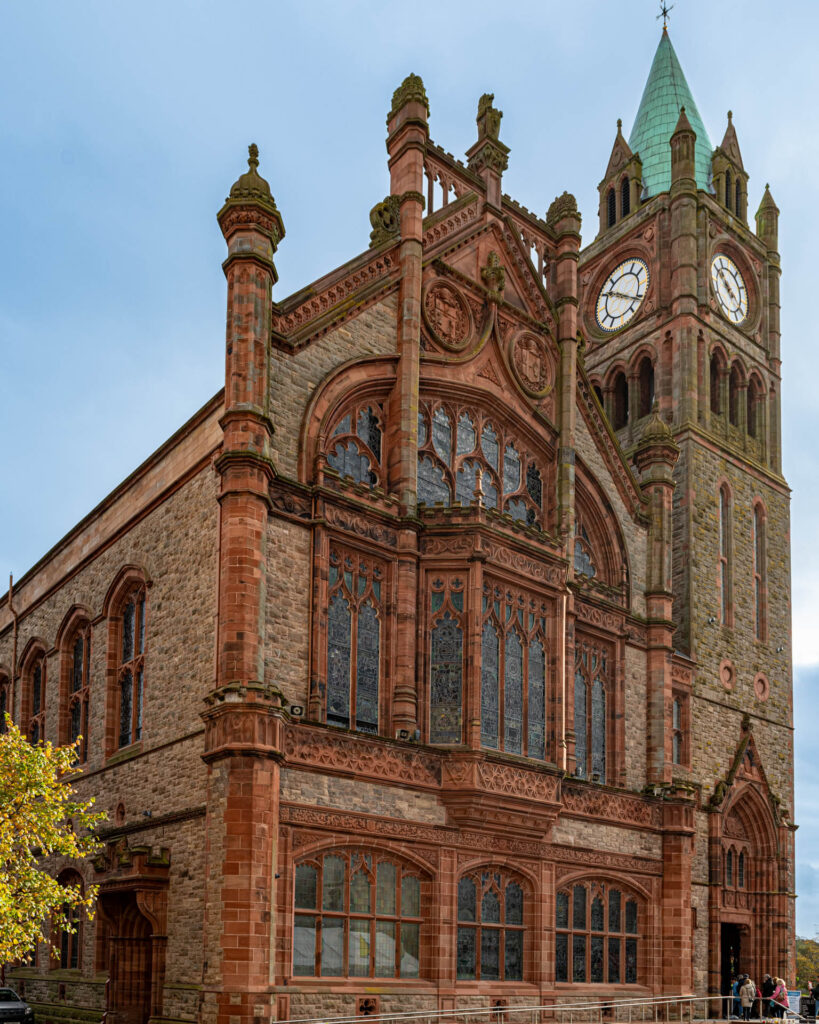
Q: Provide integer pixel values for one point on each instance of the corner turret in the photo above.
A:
(622, 184)
(767, 221)
(728, 177)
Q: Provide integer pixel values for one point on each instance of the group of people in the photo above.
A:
(772, 996)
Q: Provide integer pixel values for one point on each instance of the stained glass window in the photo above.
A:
(490, 446)
(594, 946)
(361, 903)
(489, 687)
(432, 486)
(513, 672)
(466, 435)
(348, 461)
(353, 641)
(442, 434)
(446, 669)
(131, 669)
(463, 456)
(490, 927)
(80, 653)
(591, 686)
(513, 695)
(356, 455)
(583, 561)
(598, 730)
(34, 700)
(536, 744)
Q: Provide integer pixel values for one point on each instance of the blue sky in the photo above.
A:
(122, 127)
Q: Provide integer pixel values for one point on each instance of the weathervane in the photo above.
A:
(664, 12)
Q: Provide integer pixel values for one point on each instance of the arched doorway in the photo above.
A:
(748, 895)
(128, 957)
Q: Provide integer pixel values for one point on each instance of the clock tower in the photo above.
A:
(679, 317)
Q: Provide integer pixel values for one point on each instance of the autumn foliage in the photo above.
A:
(40, 818)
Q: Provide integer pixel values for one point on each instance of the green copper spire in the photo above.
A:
(665, 92)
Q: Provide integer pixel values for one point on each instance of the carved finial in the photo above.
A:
(489, 117)
(494, 277)
(730, 115)
(682, 110)
(410, 90)
(619, 126)
(562, 206)
(253, 156)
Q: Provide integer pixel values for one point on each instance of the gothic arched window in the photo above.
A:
(729, 869)
(715, 373)
(646, 379)
(354, 641)
(625, 197)
(34, 698)
(597, 936)
(70, 936)
(358, 915)
(734, 382)
(79, 653)
(620, 401)
(490, 926)
(354, 449)
(728, 193)
(513, 672)
(611, 207)
(758, 540)
(465, 456)
(738, 199)
(446, 653)
(592, 685)
(755, 393)
(725, 556)
(131, 668)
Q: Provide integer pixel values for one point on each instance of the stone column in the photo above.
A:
(655, 458)
(244, 716)
(407, 139)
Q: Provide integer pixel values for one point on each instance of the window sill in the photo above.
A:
(125, 754)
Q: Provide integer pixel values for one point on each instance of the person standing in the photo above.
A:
(815, 993)
(747, 995)
(766, 991)
(780, 998)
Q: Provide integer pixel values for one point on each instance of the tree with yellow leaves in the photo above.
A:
(40, 817)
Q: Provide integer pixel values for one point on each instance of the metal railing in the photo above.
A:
(601, 1011)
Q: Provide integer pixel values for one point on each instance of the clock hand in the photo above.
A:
(727, 282)
(620, 295)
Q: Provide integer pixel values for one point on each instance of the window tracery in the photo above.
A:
(131, 671)
(354, 640)
(513, 672)
(357, 914)
(354, 449)
(69, 941)
(78, 695)
(592, 685)
(597, 935)
(34, 714)
(463, 453)
(490, 926)
(584, 563)
(447, 621)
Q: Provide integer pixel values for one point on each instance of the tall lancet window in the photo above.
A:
(354, 641)
(592, 686)
(760, 572)
(725, 560)
(513, 672)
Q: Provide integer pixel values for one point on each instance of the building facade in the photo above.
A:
(443, 658)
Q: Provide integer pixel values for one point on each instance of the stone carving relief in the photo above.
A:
(363, 757)
(615, 807)
(447, 315)
(360, 525)
(598, 617)
(531, 364)
(502, 778)
(596, 859)
(536, 569)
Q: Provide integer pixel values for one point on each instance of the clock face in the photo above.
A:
(729, 287)
(622, 293)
